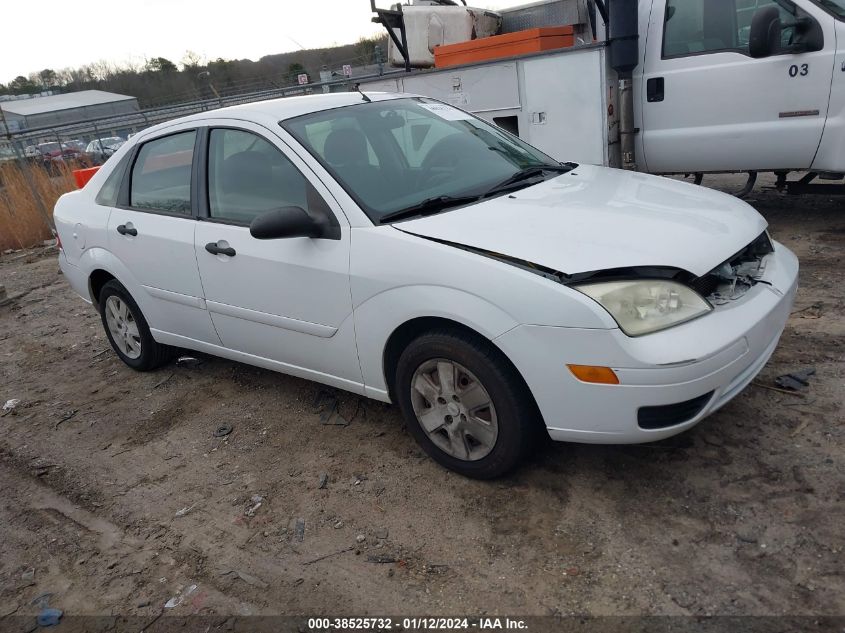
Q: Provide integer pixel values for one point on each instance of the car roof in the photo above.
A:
(272, 111)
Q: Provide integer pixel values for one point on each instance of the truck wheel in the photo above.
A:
(127, 329)
(465, 403)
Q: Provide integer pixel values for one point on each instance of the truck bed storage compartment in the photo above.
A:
(508, 45)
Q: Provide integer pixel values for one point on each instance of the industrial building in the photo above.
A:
(73, 107)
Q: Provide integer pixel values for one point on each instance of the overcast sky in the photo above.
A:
(62, 33)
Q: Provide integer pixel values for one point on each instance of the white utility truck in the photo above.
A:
(660, 86)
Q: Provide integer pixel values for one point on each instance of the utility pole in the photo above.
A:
(5, 125)
(379, 58)
(207, 76)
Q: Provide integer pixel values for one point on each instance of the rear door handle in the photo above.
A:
(127, 229)
(214, 249)
(654, 89)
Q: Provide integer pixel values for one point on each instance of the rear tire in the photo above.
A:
(127, 329)
(465, 403)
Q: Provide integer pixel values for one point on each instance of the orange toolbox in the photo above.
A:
(508, 45)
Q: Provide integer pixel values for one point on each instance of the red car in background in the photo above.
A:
(52, 154)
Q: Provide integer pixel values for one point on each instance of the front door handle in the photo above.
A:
(127, 229)
(214, 249)
(654, 89)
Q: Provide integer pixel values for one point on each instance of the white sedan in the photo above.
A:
(407, 251)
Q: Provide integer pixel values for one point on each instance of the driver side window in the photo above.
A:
(694, 27)
(745, 12)
(248, 176)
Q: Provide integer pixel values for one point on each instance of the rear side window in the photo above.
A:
(111, 188)
(161, 176)
(248, 176)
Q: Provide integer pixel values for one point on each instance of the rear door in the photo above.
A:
(708, 106)
(286, 300)
(152, 233)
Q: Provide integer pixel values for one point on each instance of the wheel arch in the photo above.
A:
(101, 266)
(405, 333)
(98, 278)
(380, 316)
(408, 331)
(402, 336)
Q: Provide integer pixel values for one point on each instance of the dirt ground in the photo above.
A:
(117, 497)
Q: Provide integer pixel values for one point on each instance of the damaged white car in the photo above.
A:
(407, 251)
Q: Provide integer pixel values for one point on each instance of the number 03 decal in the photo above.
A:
(796, 70)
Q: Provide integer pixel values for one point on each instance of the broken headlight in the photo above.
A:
(647, 305)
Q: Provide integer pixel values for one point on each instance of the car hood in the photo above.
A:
(595, 218)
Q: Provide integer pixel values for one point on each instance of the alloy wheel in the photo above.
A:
(454, 409)
(123, 327)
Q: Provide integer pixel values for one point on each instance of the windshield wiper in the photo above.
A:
(527, 174)
(428, 206)
(436, 204)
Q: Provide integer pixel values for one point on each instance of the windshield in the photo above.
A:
(836, 7)
(401, 154)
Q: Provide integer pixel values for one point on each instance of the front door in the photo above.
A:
(286, 300)
(708, 106)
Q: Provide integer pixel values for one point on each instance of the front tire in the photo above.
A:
(127, 329)
(465, 403)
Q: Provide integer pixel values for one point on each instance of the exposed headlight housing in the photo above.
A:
(647, 305)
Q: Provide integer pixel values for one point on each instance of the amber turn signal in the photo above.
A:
(590, 373)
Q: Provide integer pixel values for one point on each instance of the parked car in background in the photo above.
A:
(405, 250)
(51, 150)
(99, 150)
(53, 154)
(76, 144)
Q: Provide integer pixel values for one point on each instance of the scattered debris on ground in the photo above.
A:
(178, 599)
(795, 381)
(189, 362)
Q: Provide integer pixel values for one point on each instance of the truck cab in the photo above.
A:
(707, 102)
(665, 86)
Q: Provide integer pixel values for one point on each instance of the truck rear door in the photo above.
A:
(707, 105)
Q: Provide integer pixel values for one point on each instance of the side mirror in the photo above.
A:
(764, 37)
(287, 222)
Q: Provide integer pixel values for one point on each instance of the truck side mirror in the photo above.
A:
(764, 37)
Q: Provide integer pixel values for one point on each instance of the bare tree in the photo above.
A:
(191, 61)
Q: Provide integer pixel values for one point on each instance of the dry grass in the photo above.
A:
(27, 196)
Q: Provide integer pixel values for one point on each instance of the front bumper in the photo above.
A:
(718, 354)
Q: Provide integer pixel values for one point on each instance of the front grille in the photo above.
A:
(706, 285)
(671, 414)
